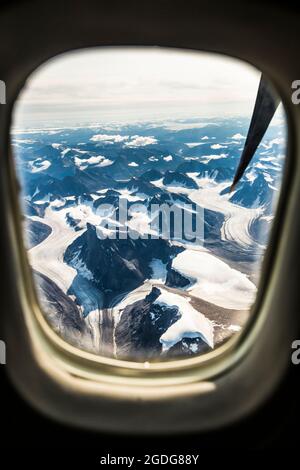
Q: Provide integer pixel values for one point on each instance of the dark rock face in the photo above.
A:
(34, 209)
(85, 199)
(225, 191)
(174, 178)
(36, 232)
(29, 208)
(78, 183)
(175, 279)
(93, 179)
(213, 222)
(218, 174)
(152, 175)
(169, 198)
(62, 313)
(140, 327)
(72, 221)
(111, 197)
(188, 347)
(192, 166)
(48, 186)
(118, 265)
(253, 194)
(137, 335)
(137, 185)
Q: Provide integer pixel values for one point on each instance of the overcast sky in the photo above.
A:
(132, 84)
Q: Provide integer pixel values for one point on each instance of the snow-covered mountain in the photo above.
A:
(153, 294)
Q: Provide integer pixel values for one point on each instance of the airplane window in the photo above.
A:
(149, 179)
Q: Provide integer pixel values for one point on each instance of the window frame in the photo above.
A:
(107, 393)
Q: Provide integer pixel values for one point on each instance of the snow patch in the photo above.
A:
(191, 324)
(217, 282)
(39, 165)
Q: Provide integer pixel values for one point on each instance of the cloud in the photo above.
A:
(107, 138)
(238, 136)
(218, 146)
(139, 141)
(99, 160)
(129, 141)
(207, 158)
(270, 143)
(278, 141)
